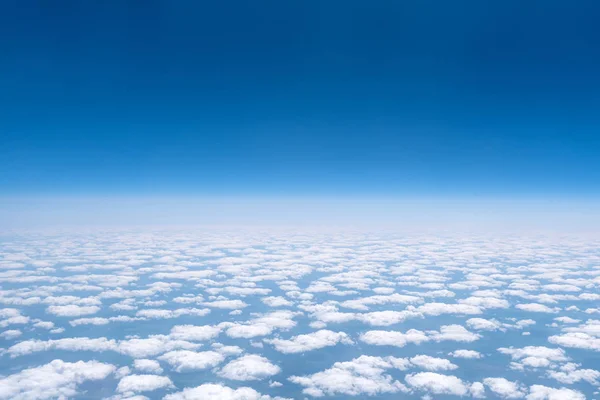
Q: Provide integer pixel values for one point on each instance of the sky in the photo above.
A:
(347, 99)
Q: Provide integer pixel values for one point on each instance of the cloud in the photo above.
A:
(226, 304)
(432, 363)
(143, 383)
(468, 354)
(168, 314)
(57, 379)
(361, 376)
(536, 307)
(211, 391)
(146, 365)
(11, 334)
(186, 360)
(435, 309)
(540, 392)
(456, 333)
(505, 388)
(310, 341)
(72, 310)
(276, 301)
(135, 347)
(195, 333)
(435, 383)
(394, 338)
(250, 367)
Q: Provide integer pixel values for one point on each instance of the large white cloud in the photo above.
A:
(57, 379)
(435, 383)
(250, 367)
(310, 341)
(212, 391)
(143, 383)
(364, 375)
(186, 360)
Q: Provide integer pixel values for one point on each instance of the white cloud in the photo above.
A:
(536, 307)
(57, 379)
(505, 388)
(72, 310)
(143, 383)
(361, 376)
(455, 333)
(435, 383)
(432, 363)
(186, 360)
(11, 334)
(540, 392)
(436, 309)
(394, 338)
(310, 341)
(226, 304)
(276, 301)
(195, 333)
(167, 314)
(146, 365)
(468, 354)
(250, 367)
(211, 391)
(481, 324)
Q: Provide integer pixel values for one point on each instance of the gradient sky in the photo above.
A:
(300, 97)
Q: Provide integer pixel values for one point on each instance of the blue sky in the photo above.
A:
(401, 100)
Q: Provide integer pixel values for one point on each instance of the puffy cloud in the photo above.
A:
(432, 363)
(435, 383)
(456, 333)
(540, 392)
(436, 309)
(11, 334)
(146, 365)
(167, 314)
(250, 367)
(276, 301)
(72, 310)
(364, 375)
(135, 347)
(143, 383)
(534, 356)
(536, 307)
(394, 338)
(569, 374)
(505, 388)
(226, 304)
(186, 360)
(57, 379)
(310, 341)
(195, 333)
(468, 354)
(481, 324)
(211, 391)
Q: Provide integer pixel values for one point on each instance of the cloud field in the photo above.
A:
(252, 315)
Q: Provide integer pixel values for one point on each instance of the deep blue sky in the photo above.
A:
(300, 97)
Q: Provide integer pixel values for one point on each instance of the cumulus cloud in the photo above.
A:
(505, 388)
(468, 354)
(186, 360)
(72, 310)
(211, 391)
(143, 383)
(57, 379)
(250, 367)
(364, 375)
(310, 341)
(146, 365)
(435, 383)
